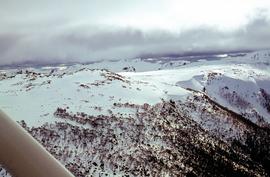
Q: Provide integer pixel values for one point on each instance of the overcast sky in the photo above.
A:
(87, 30)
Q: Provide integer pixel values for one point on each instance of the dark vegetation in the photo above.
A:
(159, 140)
(258, 147)
(265, 100)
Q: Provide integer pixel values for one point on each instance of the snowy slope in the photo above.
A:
(79, 89)
(130, 106)
(241, 86)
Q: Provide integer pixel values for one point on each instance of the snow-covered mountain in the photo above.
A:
(148, 117)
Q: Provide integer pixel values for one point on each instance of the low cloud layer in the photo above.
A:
(64, 41)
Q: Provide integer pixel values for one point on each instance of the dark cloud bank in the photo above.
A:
(63, 43)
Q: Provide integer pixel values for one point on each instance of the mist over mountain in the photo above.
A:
(84, 32)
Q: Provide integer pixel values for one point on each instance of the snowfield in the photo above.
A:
(147, 117)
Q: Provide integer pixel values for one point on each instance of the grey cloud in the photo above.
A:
(105, 39)
(256, 33)
(7, 42)
(65, 43)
